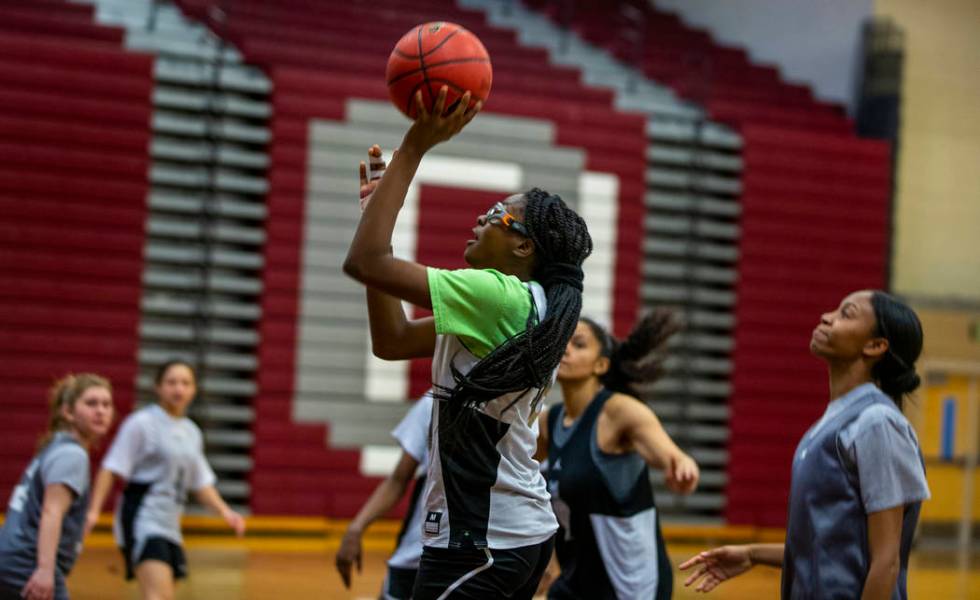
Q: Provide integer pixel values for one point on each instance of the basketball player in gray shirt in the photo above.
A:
(42, 534)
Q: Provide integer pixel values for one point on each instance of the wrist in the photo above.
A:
(752, 552)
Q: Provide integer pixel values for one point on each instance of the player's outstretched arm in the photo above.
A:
(209, 496)
(713, 567)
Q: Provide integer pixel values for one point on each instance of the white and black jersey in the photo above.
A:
(162, 459)
(488, 491)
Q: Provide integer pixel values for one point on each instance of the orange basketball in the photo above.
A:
(433, 55)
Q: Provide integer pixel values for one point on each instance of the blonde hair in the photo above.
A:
(64, 393)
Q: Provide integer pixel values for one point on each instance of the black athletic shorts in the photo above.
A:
(162, 549)
(398, 584)
(482, 573)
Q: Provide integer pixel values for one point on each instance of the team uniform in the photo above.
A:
(609, 544)
(162, 459)
(62, 461)
(861, 457)
(488, 524)
(412, 434)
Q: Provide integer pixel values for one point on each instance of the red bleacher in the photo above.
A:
(318, 55)
(815, 210)
(75, 114)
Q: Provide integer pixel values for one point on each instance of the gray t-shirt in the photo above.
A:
(881, 444)
(62, 461)
(166, 454)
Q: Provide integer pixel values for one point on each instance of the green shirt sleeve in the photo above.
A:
(482, 307)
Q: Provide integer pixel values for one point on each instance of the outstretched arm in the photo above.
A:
(369, 259)
(209, 496)
(634, 422)
(100, 490)
(724, 563)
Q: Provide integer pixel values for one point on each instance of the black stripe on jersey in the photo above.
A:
(469, 470)
(132, 498)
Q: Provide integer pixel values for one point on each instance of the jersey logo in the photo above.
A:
(433, 522)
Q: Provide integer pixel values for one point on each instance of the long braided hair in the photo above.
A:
(526, 360)
(639, 358)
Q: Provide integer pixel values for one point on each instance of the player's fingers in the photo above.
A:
(363, 173)
(473, 111)
(440, 104)
(374, 150)
(420, 106)
(694, 560)
(463, 105)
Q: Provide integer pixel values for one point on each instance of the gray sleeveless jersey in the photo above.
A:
(62, 461)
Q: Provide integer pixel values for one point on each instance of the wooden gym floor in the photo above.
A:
(287, 559)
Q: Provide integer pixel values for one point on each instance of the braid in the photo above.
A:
(640, 357)
(527, 360)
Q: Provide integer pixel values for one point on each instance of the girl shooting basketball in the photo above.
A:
(600, 443)
(42, 533)
(858, 478)
(497, 334)
(160, 454)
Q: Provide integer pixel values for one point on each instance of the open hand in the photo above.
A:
(715, 566)
(235, 521)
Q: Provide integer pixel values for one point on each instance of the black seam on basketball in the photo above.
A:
(425, 78)
(403, 55)
(439, 45)
(454, 61)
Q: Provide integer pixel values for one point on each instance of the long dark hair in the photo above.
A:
(639, 358)
(527, 360)
(896, 322)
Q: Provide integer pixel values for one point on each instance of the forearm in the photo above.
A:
(383, 499)
(209, 497)
(49, 533)
(100, 490)
(387, 319)
(767, 554)
(880, 582)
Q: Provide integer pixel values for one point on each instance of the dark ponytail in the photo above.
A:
(527, 360)
(896, 322)
(639, 358)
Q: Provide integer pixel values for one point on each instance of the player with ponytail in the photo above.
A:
(45, 519)
(858, 476)
(601, 442)
(497, 334)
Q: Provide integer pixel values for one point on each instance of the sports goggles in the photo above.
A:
(498, 214)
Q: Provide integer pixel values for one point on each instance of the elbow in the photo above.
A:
(384, 351)
(353, 267)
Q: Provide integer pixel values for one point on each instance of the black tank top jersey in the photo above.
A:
(609, 528)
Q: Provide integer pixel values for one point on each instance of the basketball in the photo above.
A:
(433, 55)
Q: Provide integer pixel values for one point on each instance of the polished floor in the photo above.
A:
(264, 568)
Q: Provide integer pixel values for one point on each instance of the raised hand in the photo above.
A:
(438, 126)
(715, 566)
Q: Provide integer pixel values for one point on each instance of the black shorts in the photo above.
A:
(158, 548)
(482, 573)
(398, 584)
